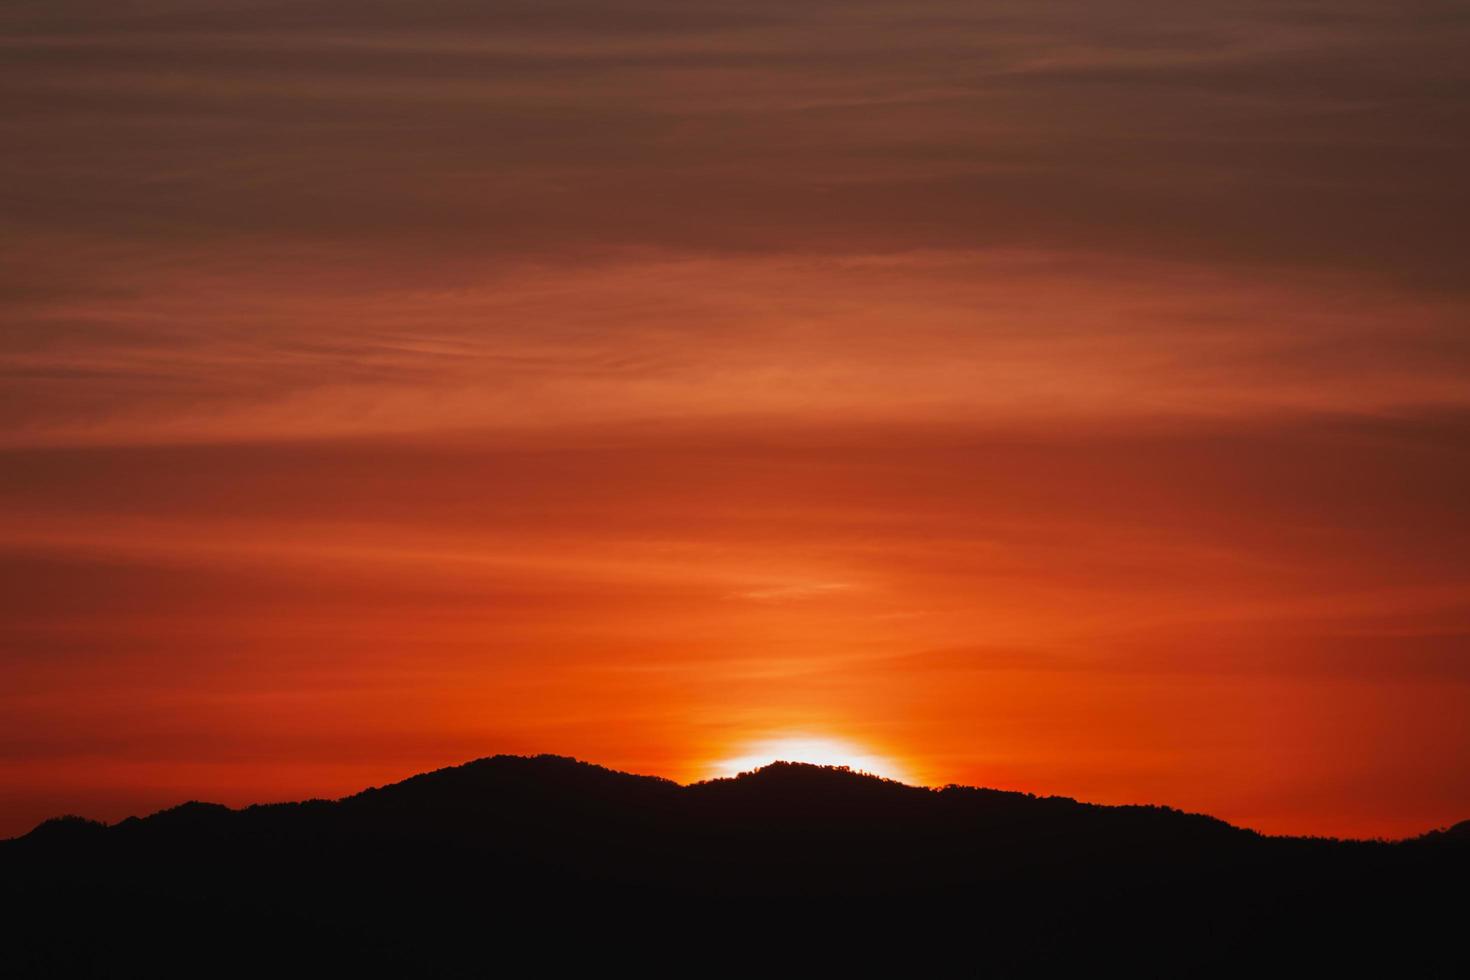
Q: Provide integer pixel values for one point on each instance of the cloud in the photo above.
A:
(1227, 133)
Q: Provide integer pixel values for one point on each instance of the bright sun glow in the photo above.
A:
(817, 751)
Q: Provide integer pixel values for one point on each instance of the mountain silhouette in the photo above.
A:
(547, 862)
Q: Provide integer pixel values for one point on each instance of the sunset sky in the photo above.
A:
(1071, 397)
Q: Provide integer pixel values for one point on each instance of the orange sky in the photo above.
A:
(1063, 397)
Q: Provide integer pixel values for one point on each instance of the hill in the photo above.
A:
(474, 868)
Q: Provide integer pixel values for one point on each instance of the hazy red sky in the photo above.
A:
(1062, 396)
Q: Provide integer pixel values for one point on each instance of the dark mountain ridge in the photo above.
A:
(516, 852)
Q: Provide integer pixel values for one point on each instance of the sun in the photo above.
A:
(817, 751)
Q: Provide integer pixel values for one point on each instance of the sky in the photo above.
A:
(1068, 397)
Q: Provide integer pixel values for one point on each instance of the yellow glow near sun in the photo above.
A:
(817, 751)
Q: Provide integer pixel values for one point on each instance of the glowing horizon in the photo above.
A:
(813, 750)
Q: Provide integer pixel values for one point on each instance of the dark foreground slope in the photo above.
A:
(474, 869)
